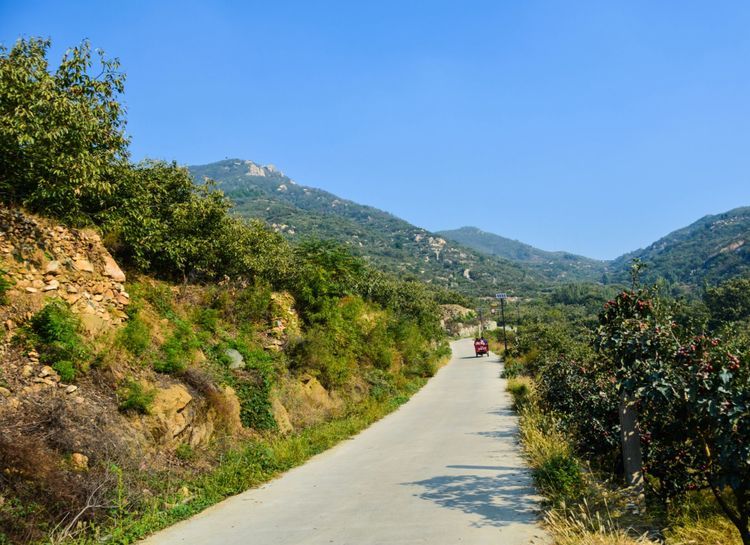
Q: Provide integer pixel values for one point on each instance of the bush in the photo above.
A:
(177, 352)
(381, 384)
(135, 336)
(513, 368)
(54, 331)
(560, 478)
(65, 369)
(522, 390)
(185, 452)
(5, 285)
(134, 397)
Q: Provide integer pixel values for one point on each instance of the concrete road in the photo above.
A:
(443, 469)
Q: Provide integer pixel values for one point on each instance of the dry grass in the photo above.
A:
(583, 526)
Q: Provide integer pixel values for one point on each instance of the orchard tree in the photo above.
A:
(635, 335)
(62, 131)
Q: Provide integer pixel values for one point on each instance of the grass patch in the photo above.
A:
(134, 397)
(135, 336)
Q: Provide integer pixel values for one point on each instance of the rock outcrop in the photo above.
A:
(44, 260)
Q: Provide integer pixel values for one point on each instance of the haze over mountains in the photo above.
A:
(473, 261)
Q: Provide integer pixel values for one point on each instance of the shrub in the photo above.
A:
(177, 351)
(5, 285)
(184, 452)
(512, 367)
(560, 478)
(134, 397)
(54, 331)
(65, 369)
(381, 384)
(135, 336)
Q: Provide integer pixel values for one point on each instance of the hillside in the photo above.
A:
(387, 242)
(712, 249)
(558, 266)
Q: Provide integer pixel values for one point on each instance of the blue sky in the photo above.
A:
(593, 127)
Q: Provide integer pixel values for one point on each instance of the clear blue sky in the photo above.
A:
(594, 127)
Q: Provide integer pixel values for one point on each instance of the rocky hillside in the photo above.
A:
(386, 241)
(103, 376)
(711, 250)
(554, 266)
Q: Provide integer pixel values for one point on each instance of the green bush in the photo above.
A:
(65, 369)
(177, 352)
(381, 384)
(513, 368)
(54, 331)
(5, 285)
(135, 398)
(184, 452)
(560, 478)
(135, 336)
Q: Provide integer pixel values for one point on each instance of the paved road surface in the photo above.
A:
(444, 469)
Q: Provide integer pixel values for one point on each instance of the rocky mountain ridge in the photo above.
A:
(387, 242)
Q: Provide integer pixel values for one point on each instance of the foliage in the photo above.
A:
(253, 386)
(552, 265)
(135, 336)
(389, 244)
(709, 250)
(730, 301)
(62, 134)
(134, 397)
(5, 285)
(55, 332)
(178, 350)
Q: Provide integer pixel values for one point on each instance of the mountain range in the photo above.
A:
(468, 259)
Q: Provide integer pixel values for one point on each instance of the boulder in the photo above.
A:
(314, 392)
(112, 270)
(53, 267)
(80, 462)
(236, 361)
(169, 415)
(83, 265)
(52, 285)
(281, 416)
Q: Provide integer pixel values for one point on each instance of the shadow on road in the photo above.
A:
(498, 500)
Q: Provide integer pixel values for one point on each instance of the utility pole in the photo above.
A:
(502, 317)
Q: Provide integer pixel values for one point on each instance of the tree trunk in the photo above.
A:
(631, 443)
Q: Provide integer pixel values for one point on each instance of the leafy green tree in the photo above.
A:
(730, 301)
(160, 221)
(62, 133)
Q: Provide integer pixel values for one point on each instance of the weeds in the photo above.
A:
(134, 397)
(54, 332)
(177, 351)
(135, 336)
(5, 285)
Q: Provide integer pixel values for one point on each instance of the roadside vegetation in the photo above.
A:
(673, 375)
(221, 310)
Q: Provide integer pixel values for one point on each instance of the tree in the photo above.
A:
(729, 301)
(635, 334)
(62, 133)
